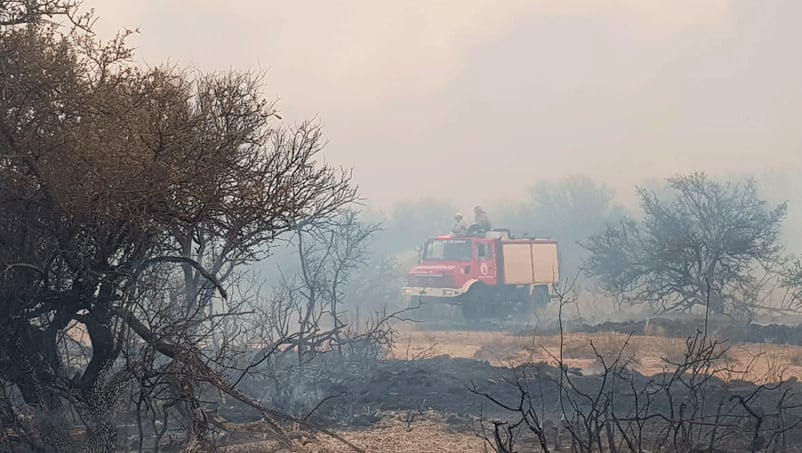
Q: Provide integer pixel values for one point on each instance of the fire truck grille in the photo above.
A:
(430, 281)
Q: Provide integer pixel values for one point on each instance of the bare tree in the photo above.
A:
(791, 279)
(715, 234)
(309, 335)
(570, 210)
(24, 12)
(327, 255)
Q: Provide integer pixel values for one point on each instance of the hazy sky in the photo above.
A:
(474, 101)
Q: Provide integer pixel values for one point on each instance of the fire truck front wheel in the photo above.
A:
(472, 302)
(423, 306)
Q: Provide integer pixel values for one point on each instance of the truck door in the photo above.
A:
(486, 261)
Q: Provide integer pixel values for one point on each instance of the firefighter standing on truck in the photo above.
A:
(481, 219)
(459, 228)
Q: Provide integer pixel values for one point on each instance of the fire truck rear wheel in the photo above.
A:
(540, 297)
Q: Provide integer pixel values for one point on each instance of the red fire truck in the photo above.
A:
(489, 275)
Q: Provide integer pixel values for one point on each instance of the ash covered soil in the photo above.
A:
(447, 371)
(434, 380)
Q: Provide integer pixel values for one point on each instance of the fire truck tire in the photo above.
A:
(472, 303)
(541, 297)
(423, 305)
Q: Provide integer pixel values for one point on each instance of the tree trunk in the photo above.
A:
(101, 435)
(716, 302)
(97, 409)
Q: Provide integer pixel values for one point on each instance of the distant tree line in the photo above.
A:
(693, 241)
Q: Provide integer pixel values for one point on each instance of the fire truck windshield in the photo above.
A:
(448, 250)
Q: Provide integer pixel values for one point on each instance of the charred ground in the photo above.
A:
(658, 393)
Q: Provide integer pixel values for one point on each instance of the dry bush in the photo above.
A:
(701, 402)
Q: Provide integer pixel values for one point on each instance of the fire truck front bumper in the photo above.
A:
(417, 291)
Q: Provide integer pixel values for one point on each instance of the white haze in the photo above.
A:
(474, 101)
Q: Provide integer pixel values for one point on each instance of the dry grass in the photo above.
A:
(396, 432)
(427, 433)
(413, 344)
(606, 344)
(762, 362)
